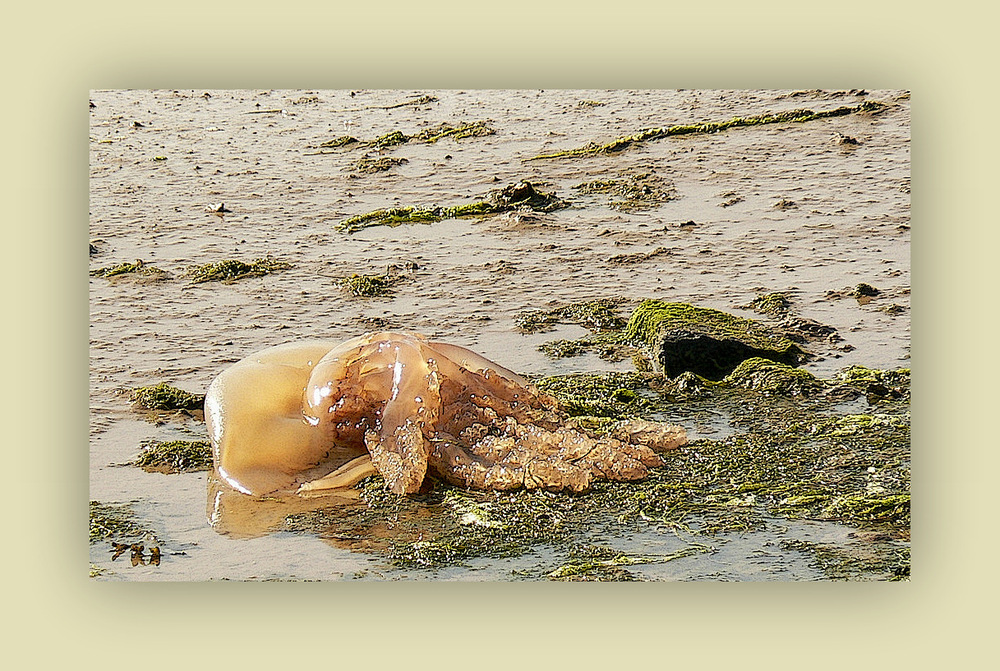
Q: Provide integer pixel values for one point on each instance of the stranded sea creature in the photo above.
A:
(321, 415)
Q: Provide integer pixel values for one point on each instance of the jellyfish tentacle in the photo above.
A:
(396, 442)
(347, 475)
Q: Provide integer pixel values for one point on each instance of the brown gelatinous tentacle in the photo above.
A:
(452, 462)
(474, 362)
(658, 436)
(400, 457)
(397, 443)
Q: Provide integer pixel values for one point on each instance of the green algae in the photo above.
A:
(231, 270)
(596, 315)
(175, 456)
(608, 345)
(711, 343)
(369, 166)
(878, 385)
(415, 102)
(894, 508)
(396, 138)
(771, 377)
(371, 286)
(108, 520)
(791, 459)
(521, 194)
(561, 349)
(473, 524)
(640, 191)
(616, 394)
(852, 563)
(653, 316)
(606, 337)
(337, 142)
(651, 134)
(390, 140)
(772, 305)
(460, 132)
(139, 267)
(164, 397)
(850, 425)
(638, 257)
(595, 563)
(393, 217)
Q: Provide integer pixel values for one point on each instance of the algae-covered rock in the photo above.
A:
(773, 377)
(685, 338)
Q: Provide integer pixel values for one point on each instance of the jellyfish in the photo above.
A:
(320, 415)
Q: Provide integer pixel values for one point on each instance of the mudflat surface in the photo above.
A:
(785, 207)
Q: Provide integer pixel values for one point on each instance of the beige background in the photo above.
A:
(57, 53)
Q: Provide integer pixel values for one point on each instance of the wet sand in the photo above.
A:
(783, 207)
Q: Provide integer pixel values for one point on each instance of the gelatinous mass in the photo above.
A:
(318, 415)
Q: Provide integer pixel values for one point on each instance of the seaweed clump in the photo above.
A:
(638, 257)
(685, 338)
(231, 270)
(773, 304)
(849, 470)
(462, 131)
(114, 521)
(175, 456)
(791, 460)
(499, 525)
(614, 395)
(865, 291)
(650, 134)
(164, 397)
(370, 286)
(520, 195)
(138, 268)
(878, 385)
(468, 524)
(596, 315)
(596, 563)
(338, 142)
(396, 138)
(772, 377)
(639, 191)
(370, 166)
